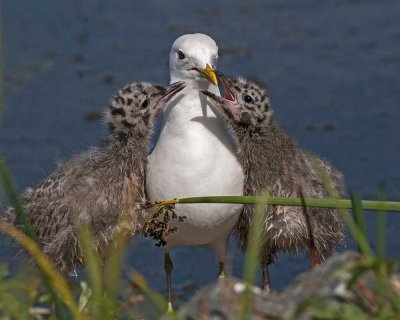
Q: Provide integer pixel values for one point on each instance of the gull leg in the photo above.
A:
(220, 250)
(221, 272)
(168, 266)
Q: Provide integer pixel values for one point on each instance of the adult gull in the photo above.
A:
(195, 154)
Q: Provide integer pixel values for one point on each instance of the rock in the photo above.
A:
(328, 292)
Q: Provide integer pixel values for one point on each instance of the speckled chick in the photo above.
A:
(97, 187)
(272, 161)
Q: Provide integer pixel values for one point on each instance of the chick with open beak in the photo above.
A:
(272, 161)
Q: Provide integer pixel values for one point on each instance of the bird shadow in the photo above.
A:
(216, 125)
(158, 124)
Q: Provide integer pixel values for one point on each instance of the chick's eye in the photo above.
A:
(247, 98)
(145, 103)
(181, 55)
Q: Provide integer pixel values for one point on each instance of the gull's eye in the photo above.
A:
(214, 60)
(247, 98)
(181, 55)
(145, 103)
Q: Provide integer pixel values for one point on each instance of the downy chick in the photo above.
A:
(272, 161)
(97, 187)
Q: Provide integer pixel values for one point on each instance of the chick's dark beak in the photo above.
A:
(213, 96)
(171, 91)
(228, 97)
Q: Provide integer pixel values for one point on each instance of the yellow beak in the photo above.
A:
(209, 74)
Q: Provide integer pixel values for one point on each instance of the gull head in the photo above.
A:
(193, 59)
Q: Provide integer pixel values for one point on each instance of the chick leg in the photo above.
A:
(266, 284)
(265, 263)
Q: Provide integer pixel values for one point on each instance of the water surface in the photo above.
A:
(332, 69)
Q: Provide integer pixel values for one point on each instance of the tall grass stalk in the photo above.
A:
(359, 217)
(326, 180)
(358, 230)
(113, 265)
(1, 64)
(26, 223)
(375, 263)
(9, 187)
(392, 206)
(115, 254)
(381, 226)
(252, 256)
(157, 299)
(56, 280)
(95, 274)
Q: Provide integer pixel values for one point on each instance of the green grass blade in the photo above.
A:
(252, 256)
(381, 226)
(157, 299)
(358, 233)
(16, 201)
(24, 220)
(94, 268)
(113, 265)
(359, 217)
(381, 234)
(125, 227)
(55, 278)
(1, 66)
(359, 220)
(392, 206)
(115, 255)
(253, 246)
(355, 230)
(326, 180)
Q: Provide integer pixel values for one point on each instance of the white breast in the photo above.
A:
(195, 156)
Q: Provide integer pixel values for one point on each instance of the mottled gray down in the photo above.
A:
(98, 186)
(273, 162)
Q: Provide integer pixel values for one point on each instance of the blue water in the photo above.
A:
(332, 69)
